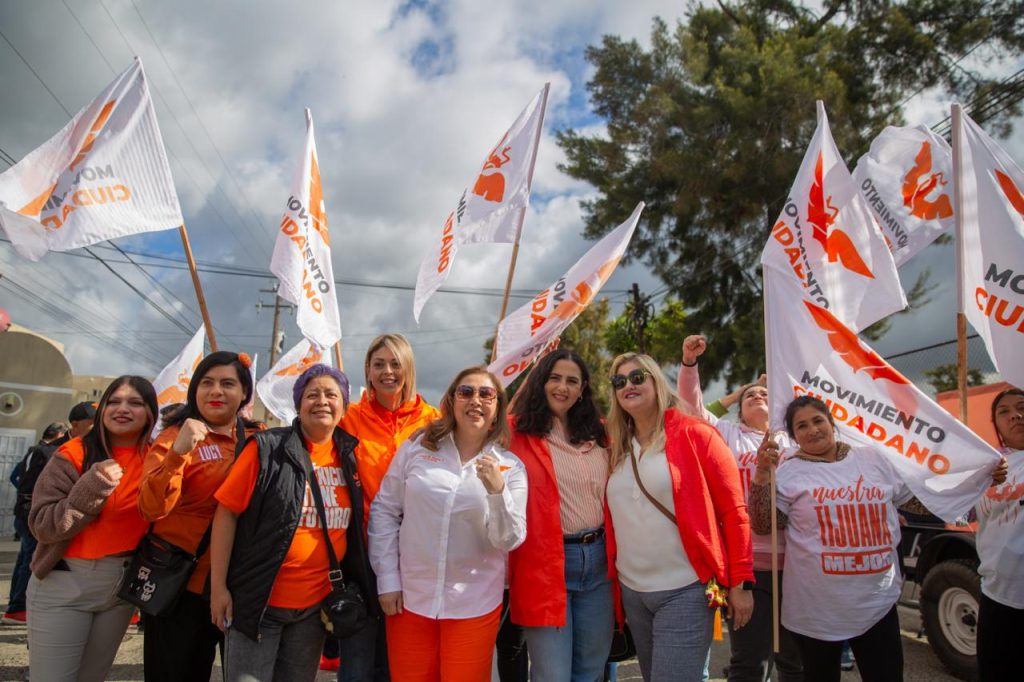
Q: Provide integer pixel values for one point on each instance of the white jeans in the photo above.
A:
(75, 620)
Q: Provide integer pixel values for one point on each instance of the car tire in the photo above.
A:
(950, 595)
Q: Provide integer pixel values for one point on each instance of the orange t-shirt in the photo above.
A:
(119, 526)
(176, 492)
(380, 432)
(302, 580)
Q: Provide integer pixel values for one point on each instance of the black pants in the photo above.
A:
(752, 644)
(513, 661)
(180, 645)
(879, 653)
(999, 630)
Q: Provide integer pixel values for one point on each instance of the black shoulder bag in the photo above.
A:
(159, 570)
(344, 606)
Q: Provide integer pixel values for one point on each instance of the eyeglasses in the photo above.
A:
(637, 377)
(466, 392)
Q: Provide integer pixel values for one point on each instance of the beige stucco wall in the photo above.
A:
(35, 381)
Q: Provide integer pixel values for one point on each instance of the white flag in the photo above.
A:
(810, 352)
(104, 175)
(827, 240)
(171, 385)
(302, 253)
(992, 249)
(906, 179)
(275, 388)
(489, 210)
(525, 334)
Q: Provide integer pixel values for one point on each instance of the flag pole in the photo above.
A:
(337, 356)
(198, 287)
(519, 223)
(775, 565)
(958, 216)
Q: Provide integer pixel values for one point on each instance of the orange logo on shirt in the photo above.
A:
(1011, 191)
(918, 184)
(491, 186)
(297, 368)
(822, 215)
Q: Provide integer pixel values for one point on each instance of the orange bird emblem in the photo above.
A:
(822, 214)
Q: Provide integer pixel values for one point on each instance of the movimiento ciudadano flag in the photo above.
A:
(811, 352)
(275, 388)
(103, 176)
(171, 385)
(489, 210)
(826, 239)
(992, 249)
(302, 252)
(907, 180)
(528, 331)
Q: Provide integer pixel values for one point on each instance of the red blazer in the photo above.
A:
(708, 504)
(536, 569)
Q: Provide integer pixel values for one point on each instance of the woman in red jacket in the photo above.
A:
(676, 506)
(558, 578)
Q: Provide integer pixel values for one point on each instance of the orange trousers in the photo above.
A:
(424, 649)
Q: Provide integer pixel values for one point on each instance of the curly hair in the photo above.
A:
(533, 414)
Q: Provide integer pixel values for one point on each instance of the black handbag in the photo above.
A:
(623, 647)
(159, 570)
(344, 608)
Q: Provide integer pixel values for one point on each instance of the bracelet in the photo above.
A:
(685, 364)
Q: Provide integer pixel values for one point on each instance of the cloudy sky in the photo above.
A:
(407, 98)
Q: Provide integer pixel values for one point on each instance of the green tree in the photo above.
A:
(709, 125)
(943, 377)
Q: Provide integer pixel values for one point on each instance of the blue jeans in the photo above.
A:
(578, 651)
(364, 655)
(672, 630)
(22, 572)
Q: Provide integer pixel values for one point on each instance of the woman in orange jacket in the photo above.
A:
(184, 467)
(389, 412)
(559, 589)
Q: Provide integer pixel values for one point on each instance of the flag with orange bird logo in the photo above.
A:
(275, 388)
(171, 385)
(103, 176)
(302, 252)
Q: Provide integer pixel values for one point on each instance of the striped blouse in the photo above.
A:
(581, 471)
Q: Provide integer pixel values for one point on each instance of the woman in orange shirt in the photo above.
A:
(85, 516)
(269, 561)
(183, 469)
(388, 414)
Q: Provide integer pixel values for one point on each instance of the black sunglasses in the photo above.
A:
(637, 377)
(466, 392)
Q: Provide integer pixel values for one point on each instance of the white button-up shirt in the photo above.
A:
(437, 536)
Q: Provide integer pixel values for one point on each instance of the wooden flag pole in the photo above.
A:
(337, 356)
(961, 320)
(775, 566)
(198, 287)
(519, 226)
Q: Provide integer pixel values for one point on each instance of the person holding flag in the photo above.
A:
(838, 506)
(184, 467)
(672, 547)
(1001, 548)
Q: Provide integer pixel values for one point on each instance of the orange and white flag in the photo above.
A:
(275, 388)
(103, 176)
(171, 385)
(811, 352)
(906, 178)
(530, 330)
(490, 210)
(992, 249)
(302, 252)
(826, 239)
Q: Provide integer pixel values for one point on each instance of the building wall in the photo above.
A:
(35, 382)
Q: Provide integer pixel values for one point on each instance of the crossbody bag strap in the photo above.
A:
(658, 505)
(335, 573)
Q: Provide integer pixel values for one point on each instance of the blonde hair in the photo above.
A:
(399, 345)
(439, 428)
(621, 427)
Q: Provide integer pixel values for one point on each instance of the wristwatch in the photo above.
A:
(747, 585)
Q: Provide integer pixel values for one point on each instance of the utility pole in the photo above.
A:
(278, 304)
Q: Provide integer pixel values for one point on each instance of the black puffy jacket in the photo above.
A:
(265, 529)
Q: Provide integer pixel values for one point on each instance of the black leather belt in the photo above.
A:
(585, 539)
(61, 566)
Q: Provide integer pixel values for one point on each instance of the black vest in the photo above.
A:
(265, 529)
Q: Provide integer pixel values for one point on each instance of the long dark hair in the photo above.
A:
(534, 416)
(97, 442)
(190, 409)
(1013, 390)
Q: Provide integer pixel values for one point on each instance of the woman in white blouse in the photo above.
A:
(450, 508)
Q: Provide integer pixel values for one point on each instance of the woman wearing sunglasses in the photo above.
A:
(450, 508)
(751, 646)
(676, 523)
(558, 579)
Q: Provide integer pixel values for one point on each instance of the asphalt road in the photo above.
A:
(921, 665)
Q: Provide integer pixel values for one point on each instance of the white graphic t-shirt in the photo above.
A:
(842, 539)
(1001, 536)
